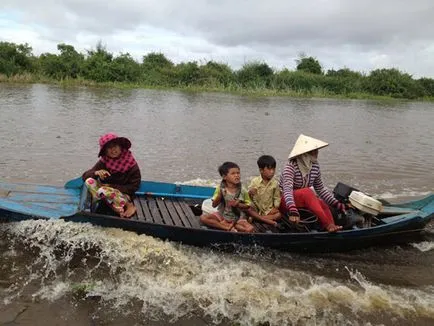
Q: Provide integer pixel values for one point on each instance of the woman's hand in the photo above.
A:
(102, 174)
(294, 218)
(341, 207)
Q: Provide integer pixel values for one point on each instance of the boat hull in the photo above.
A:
(170, 212)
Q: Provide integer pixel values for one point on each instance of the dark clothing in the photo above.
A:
(127, 182)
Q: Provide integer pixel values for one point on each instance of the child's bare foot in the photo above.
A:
(333, 228)
(229, 227)
(130, 210)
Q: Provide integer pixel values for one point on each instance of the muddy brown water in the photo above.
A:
(57, 273)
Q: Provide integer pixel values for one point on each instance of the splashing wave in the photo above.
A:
(175, 281)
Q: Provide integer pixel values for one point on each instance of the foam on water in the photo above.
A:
(173, 281)
(424, 246)
(402, 193)
(200, 182)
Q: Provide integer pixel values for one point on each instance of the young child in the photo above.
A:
(116, 176)
(232, 201)
(264, 189)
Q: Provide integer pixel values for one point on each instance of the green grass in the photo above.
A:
(233, 88)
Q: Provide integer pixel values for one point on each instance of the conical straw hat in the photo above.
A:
(306, 144)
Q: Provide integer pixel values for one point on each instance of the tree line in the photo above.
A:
(155, 70)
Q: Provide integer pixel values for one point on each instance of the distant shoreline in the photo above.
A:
(99, 67)
(259, 92)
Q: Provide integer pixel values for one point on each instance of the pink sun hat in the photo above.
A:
(112, 137)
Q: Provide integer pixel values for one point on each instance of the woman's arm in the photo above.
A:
(287, 186)
(132, 182)
(321, 190)
(91, 172)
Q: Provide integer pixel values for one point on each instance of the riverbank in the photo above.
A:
(233, 89)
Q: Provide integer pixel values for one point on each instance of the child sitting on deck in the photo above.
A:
(232, 201)
(264, 189)
(116, 176)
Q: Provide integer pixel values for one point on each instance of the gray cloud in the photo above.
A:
(354, 33)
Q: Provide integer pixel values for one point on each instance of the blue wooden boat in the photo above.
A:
(171, 211)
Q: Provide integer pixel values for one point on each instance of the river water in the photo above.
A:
(57, 273)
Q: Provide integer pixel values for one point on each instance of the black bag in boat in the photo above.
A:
(342, 192)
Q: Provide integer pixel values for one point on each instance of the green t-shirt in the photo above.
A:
(225, 210)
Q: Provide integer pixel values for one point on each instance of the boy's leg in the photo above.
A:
(243, 225)
(274, 215)
(253, 213)
(216, 221)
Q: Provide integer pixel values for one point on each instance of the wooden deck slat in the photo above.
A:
(259, 227)
(181, 213)
(194, 220)
(155, 212)
(164, 212)
(139, 210)
(146, 211)
(285, 222)
(174, 213)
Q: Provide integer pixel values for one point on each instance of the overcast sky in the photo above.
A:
(360, 35)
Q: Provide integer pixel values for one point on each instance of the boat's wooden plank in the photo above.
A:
(181, 213)
(271, 228)
(393, 210)
(31, 209)
(32, 188)
(146, 211)
(155, 212)
(174, 213)
(164, 212)
(51, 206)
(259, 227)
(139, 210)
(285, 224)
(43, 198)
(194, 220)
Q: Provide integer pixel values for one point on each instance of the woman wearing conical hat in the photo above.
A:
(300, 173)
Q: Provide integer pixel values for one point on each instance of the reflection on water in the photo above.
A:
(50, 135)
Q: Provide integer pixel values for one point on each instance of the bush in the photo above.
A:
(427, 84)
(393, 83)
(15, 59)
(124, 69)
(188, 73)
(309, 64)
(255, 75)
(298, 81)
(216, 74)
